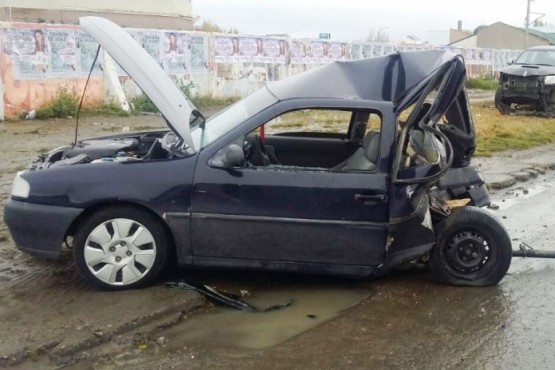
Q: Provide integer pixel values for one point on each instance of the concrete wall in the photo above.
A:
(179, 8)
(72, 17)
(503, 36)
(166, 14)
(207, 63)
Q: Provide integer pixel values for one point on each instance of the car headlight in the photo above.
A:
(20, 186)
(549, 80)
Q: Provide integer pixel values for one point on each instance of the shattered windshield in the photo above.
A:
(231, 117)
(537, 57)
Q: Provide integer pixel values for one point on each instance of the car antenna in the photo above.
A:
(83, 96)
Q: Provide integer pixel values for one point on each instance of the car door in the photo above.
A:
(288, 214)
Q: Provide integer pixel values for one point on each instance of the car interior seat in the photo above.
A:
(365, 157)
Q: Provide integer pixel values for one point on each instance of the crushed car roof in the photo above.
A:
(385, 78)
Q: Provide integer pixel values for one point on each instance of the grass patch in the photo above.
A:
(63, 105)
(142, 103)
(496, 133)
(110, 109)
(482, 83)
(200, 101)
(288, 125)
(148, 128)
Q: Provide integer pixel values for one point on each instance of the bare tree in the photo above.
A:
(208, 25)
(383, 35)
(378, 35)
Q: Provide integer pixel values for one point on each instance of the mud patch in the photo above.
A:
(311, 307)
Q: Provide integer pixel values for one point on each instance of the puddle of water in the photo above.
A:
(311, 307)
(517, 195)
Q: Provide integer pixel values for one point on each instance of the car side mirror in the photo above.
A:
(511, 62)
(234, 156)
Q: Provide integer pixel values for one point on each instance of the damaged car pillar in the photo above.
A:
(431, 172)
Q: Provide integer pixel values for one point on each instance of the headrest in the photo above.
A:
(371, 145)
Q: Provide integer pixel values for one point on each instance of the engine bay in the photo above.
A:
(152, 145)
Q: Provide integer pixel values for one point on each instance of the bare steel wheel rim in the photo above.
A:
(120, 251)
(469, 253)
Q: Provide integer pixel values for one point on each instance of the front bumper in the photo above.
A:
(37, 229)
(527, 90)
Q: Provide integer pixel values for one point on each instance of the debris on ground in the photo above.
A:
(226, 298)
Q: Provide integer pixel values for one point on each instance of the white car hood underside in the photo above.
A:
(145, 71)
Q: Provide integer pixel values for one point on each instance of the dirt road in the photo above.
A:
(45, 310)
(48, 318)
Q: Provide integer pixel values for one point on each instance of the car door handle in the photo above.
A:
(371, 198)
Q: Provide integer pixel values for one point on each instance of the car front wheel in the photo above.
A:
(473, 248)
(501, 106)
(120, 247)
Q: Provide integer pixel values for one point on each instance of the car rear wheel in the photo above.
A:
(473, 248)
(501, 106)
(120, 247)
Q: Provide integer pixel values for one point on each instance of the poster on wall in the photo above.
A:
(502, 57)
(338, 51)
(62, 53)
(356, 51)
(318, 52)
(247, 49)
(175, 46)
(367, 51)
(30, 50)
(251, 49)
(478, 56)
(226, 49)
(389, 49)
(275, 50)
(150, 40)
(85, 52)
(198, 51)
(299, 52)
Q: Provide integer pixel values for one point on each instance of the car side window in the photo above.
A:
(329, 121)
(316, 139)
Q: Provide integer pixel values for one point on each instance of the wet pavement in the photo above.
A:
(48, 318)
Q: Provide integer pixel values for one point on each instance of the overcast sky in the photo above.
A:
(354, 19)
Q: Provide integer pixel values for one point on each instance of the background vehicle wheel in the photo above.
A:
(499, 104)
(120, 248)
(473, 248)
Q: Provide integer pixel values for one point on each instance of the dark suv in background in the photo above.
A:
(527, 86)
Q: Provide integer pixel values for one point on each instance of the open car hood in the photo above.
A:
(145, 71)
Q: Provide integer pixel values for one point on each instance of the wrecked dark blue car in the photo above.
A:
(348, 169)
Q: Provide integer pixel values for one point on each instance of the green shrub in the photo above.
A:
(142, 103)
(482, 83)
(200, 101)
(109, 109)
(63, 105)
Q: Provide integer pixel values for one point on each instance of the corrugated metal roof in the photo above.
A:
(547, 36)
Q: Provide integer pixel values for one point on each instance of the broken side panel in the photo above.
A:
(411, 233)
